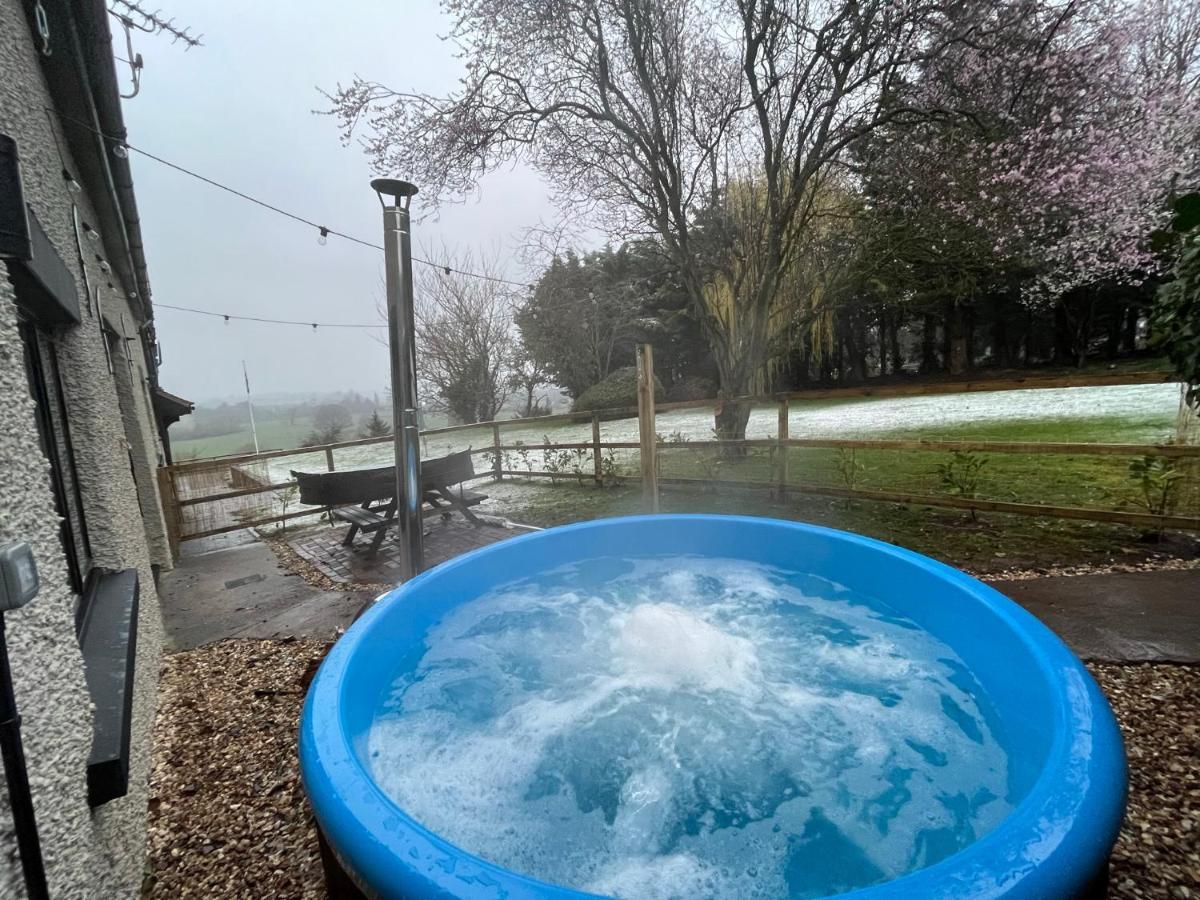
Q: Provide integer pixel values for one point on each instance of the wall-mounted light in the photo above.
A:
(120, 151)
(91, 233)
(104, 266)
(72, 185)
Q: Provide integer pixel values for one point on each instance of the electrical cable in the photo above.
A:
(322, 230)
(228, 316)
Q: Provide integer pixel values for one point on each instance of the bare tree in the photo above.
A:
(528, 374)
(465, 336)
(328, 422)
(641, 112)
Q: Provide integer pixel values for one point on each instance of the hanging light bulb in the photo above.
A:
(72, 185)
(91, 233)
(446, 269)
(314, 325)
(323, 236)
(104, 266)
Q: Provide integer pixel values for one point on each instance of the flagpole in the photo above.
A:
(250, 407)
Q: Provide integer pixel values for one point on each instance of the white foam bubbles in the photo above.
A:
(666, 646)
(689, 728)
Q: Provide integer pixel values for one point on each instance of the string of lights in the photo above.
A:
(122, 147)
(231, 316)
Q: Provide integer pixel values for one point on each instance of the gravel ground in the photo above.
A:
(1155, 562)
(1158, 706)
(228, 817)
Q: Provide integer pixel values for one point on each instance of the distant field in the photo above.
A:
(276, 434)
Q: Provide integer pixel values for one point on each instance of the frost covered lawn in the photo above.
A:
(1135, 413)
(1127, 414)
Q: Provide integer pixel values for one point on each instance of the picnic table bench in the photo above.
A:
(365, 498)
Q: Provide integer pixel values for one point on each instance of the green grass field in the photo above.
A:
(991, 541)
(273, 434)
(1062, 480)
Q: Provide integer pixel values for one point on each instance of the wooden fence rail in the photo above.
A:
(179, 496)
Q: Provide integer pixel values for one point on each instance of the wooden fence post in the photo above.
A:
(648, 437)
(172, 516)
(329, 458)
(497, 455)
(781, 436)
(597, 462)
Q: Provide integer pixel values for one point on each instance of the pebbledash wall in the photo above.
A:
(88, 852)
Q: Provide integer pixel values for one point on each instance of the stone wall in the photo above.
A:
(88, 853)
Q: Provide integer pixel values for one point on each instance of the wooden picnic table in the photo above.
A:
(365, 498)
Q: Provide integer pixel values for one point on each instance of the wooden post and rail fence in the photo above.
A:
(207, 497)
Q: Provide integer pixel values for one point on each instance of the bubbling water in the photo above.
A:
(688, 727)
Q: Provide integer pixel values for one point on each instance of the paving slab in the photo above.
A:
(1118, 617)
(242, 591)
(444, 538)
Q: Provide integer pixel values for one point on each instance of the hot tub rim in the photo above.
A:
(1092, 831)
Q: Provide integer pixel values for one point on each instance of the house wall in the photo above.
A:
(88, 853)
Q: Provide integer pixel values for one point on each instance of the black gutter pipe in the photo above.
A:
(19, 796)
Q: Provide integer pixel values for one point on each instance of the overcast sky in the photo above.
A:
(240, 110)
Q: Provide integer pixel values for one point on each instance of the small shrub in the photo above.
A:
(523, 455)
(557, 462)
(960, 476)
(608, 467)
(617, 390)
(285, 498)
(692, 387)
(849, 469)
(1157, 480)
(579, 463)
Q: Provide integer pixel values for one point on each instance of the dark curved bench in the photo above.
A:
(365, 497)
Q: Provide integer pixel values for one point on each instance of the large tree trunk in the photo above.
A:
(1129, 329)
(972, 350)
(894, 343)
(1112, 340)
(732, 411)
(1063, 339)
(883, 342)
(731, 418)
(929, 356)
(957, 356)
(855, 338)
(1002, 344)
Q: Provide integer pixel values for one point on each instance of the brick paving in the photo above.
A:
(444, 539)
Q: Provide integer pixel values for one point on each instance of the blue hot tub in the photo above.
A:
(1061, 789)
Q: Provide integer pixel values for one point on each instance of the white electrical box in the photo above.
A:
(18, 575)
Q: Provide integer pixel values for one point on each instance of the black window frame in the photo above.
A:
(54, 434)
